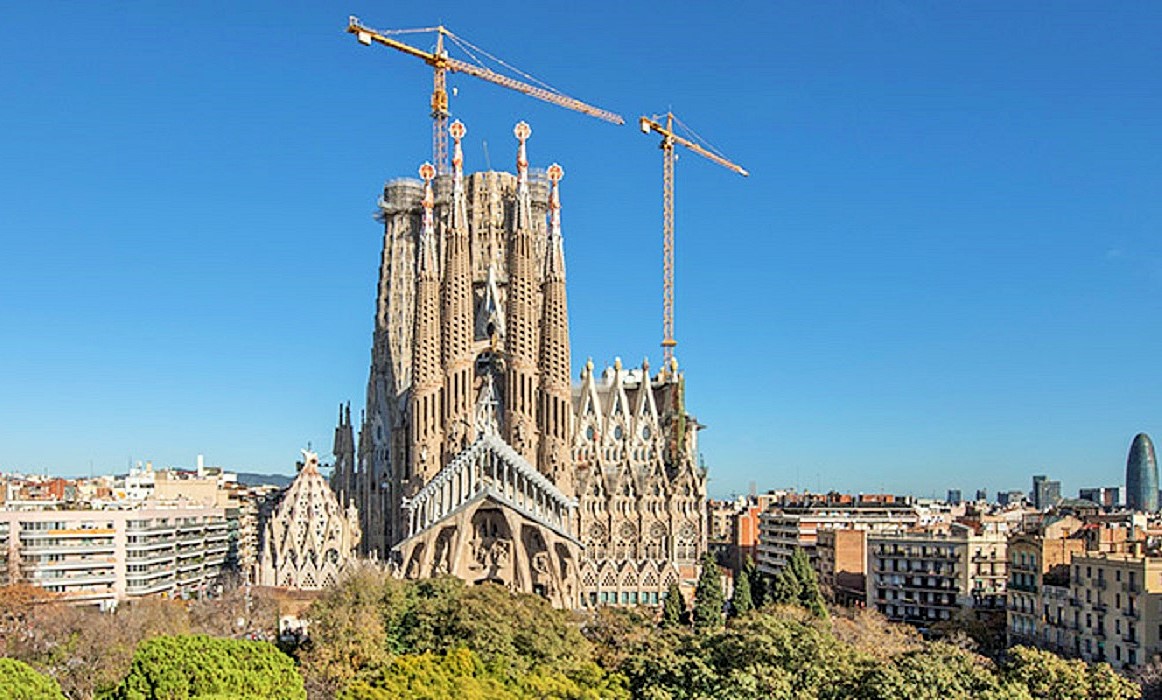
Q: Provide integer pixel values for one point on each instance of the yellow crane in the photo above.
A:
(442, 64)
(669, 138)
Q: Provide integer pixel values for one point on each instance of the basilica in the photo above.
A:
(476, 454)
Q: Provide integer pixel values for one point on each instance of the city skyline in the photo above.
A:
(952, 246)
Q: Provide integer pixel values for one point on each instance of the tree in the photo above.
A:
(673, 607)
(19, 681)
(741, 602)
(810, 597)
(351, 630)
(708, 596)
(460, 673)
(784, 588)
(937, 671)
(759, 586)
(196, 667)
(1048, 676)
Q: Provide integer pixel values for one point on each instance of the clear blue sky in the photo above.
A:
(944, 271)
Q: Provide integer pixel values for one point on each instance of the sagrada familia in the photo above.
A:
(476, 454)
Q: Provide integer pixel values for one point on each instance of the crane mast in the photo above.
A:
(669, 139)
(442, 64)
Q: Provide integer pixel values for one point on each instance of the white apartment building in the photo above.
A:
(782, 530)
(100, 557)
(928, 576)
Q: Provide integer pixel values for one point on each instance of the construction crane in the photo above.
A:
(442, 64)
(669, 138)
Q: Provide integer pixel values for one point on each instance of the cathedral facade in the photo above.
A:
(476, 455)
(309, 539)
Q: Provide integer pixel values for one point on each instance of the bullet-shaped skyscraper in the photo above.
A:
(1142, 475)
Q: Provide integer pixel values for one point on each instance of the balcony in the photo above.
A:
(1100, 583)
(1100, 606)
(1132, 613)
(1129, 638)
(65, 548)
(146, 589)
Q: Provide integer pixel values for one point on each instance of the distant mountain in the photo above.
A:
(279, 480)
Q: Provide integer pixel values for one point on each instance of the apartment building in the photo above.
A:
(783, 529)
(841, 563)
(936, 574)
(100, 557)
(5, 577)
(1113, 613)
(1039, 559)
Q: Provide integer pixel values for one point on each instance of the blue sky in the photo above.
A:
(944, 270)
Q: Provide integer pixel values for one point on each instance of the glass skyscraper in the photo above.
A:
(1142, 475)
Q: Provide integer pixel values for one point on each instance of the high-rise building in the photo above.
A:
(1142, 475)
(954, 496)
(1046, 493)
(476, 456)
(1010, 498)
(1104, 496)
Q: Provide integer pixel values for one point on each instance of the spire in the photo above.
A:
(520, 388)
(427, 373)
(522, 131)
(459, 211)
(427, 256)
(555, 407)
(555, 253)
(490, 317)
(457, 335)
(487, 422)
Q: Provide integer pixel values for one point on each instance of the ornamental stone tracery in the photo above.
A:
(309, 539)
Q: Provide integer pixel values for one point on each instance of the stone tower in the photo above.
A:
(475, 450)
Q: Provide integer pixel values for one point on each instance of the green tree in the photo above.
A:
(810, 597)
(784, 588)
(460, 673)
(935, 672)
(196, 667)
(708, 596)
(759, 585)
(1048, 676)
(19, 681)
(352, 628)
(673, 607)
(457, 674)
(741, 602)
